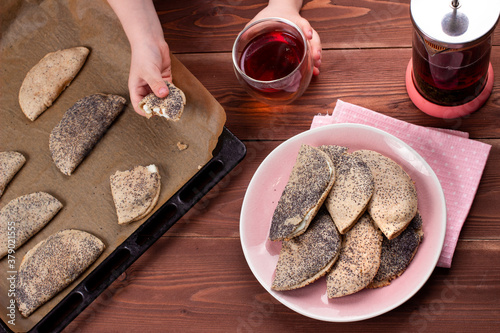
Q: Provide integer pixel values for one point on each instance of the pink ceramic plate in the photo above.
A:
(265, 189)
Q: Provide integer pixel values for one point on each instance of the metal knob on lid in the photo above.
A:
(455, 23)
(451, 48)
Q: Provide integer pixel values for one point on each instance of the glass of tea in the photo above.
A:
(272, 60)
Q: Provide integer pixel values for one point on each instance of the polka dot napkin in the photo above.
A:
(457, 161)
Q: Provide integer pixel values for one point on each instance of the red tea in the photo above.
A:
(271, 56)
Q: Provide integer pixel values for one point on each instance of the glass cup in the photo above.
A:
(272, 60)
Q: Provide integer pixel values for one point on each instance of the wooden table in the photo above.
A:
(195, 278)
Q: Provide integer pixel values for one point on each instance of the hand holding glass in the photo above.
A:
(272, 60)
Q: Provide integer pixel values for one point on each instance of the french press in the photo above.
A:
(450, 74)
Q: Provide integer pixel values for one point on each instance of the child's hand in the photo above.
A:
(289, 9)
(150, 61)
(149, 68)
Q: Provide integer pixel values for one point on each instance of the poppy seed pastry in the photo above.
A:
(359, 259)
(306, 258)
(24, 217)
(394, 201)
(170, 107)
(135, 192)
(334, 152)
(398, 252)
(81, 127)
(311, 178)
(10, 163)
(351, 192)
(48, 78)
(51, 265)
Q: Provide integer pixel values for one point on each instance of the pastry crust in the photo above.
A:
(394, 201)
(135, 192)
(10, 163)
(307, 257)
(48, 78)
(334, 152)
(52, 265)
(398, 253)
(311, 178)
(351, 192)
(170, 107)
(359, 259)
(25, 215)
(81, 127)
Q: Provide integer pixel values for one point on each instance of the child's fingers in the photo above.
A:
(135, 98)
(314, 40)
(305, 26)
(158, 86)
(316, 51)
(316, 45)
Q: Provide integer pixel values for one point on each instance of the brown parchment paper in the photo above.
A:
(31, 29)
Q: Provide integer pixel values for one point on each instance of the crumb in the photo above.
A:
(181, 146)
(200, 166)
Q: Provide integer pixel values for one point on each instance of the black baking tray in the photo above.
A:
(226, 155)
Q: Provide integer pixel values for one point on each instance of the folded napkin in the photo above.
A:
(457, 161)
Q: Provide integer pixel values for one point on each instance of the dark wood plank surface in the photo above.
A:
(195, 278)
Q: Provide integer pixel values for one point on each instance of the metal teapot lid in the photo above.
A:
(455, 23)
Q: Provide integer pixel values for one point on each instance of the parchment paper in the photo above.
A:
(31, 29)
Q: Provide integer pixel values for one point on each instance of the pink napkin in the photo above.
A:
(457, 161)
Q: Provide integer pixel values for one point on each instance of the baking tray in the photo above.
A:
(226, 155)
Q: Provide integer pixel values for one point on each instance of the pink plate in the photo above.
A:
(265, 190)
